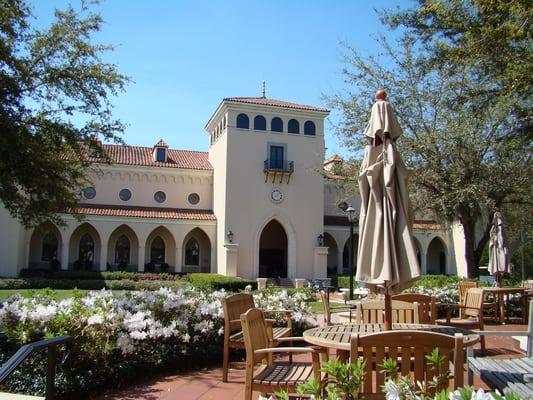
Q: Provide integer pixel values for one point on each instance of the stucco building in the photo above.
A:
(257, 204)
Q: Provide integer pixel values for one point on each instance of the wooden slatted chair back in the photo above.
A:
(527, 284)
(427, 308)
(410, 349)
(254, 329)
(233, 307)
(373, 312)
(463, 288)
(474, 303)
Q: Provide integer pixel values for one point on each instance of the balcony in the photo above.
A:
(278, 169)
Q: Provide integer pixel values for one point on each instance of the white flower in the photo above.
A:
(95, 320)
(124, 344)
(392, 390)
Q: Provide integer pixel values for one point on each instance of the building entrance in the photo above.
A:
(273, 251)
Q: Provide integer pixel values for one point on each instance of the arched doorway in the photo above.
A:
(330, 243)
(45, 247)
(84, 247)
(160, 250)
(346, 255)
(273, 245)
(196, 250)
(123, 249)
(436, 257)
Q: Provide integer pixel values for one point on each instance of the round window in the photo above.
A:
(160, 196)
(194, 198)
(124, 194)
(89, 192)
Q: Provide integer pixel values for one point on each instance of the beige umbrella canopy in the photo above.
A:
(498, 252)
(386, 259)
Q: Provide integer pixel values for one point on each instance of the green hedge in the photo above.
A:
(218, 282)
(87, 284)
(428, 281)
(101, 275)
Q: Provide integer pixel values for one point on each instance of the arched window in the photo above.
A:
(122, 250)
(276, 125)
(243, 121)
(192, 252)
(49, 250)
(260, 123)
(309, 128)
(293, 126)
(86, 252)
(157, 250)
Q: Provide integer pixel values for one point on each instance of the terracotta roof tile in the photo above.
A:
(273, 102)
(143, 212)
(143, 156)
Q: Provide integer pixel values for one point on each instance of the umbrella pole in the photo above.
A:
(388, 311)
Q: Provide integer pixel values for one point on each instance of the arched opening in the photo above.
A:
(260, 123)
(346, 255)
(293, 126)
(436, 257)
(196, 252)
(332, 262)
(123, 249)
(243, 121)
(45, 247)
(160, 250)
(85, 247)
(273, 246)
(276, 125)
(309, 128)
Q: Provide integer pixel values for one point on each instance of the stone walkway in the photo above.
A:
(207, 384)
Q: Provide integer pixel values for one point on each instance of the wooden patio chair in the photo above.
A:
(409, 348)
(233, 307)
(472, 315)
(427, 308)
(328, 309)
(463, 288)
(373, 312)
(273, 376)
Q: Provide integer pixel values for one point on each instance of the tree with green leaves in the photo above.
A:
(55, 100)
(463, 130)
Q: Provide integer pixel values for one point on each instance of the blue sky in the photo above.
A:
(185, 56)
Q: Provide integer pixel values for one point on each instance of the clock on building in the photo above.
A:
(276, 196)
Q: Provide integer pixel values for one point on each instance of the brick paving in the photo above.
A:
(207, 384)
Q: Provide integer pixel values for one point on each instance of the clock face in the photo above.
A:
(276, 195)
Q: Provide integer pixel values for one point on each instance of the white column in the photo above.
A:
(423, 262)
(64, 255)
(320, 262)
(140, 263)
(103, 257)
(179, 264)
(27, 249)
(232, 253)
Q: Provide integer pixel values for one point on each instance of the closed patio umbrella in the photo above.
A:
(498, 251)
(386, 259)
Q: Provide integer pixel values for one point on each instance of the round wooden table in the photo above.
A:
(338, 336)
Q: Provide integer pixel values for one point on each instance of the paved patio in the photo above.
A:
(207, 384)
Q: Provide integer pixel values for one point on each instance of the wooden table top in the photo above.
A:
(338, 336)
(504, 290)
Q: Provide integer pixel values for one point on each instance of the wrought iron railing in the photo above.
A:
(278, 165)
(25, 351)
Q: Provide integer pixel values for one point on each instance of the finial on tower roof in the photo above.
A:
(381, 94)
(264, 90)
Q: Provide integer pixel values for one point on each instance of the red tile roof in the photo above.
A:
(143, 212)
(143, 156)
(273, 102)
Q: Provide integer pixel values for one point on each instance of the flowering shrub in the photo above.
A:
(117, 336)
(445, 295)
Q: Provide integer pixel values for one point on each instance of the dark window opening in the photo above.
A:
(86, 252)
(260, 123)
(122, 250)
(276, 125)
(293, 126)
(243, 121)
(309, 128)
(157, 250)
(192, 252)
(276, 157)
(161, 155)
(49, 250)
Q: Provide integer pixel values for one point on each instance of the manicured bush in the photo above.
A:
(219, 282)
(118, 338)
(101, 275)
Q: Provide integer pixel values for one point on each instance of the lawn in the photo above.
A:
(59, 294)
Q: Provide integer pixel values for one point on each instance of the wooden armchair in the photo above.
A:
(427, 308)
(234, 306)
(411, 359)
(273, 376)
(472, 315)
(328, 309)
(373, 312)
